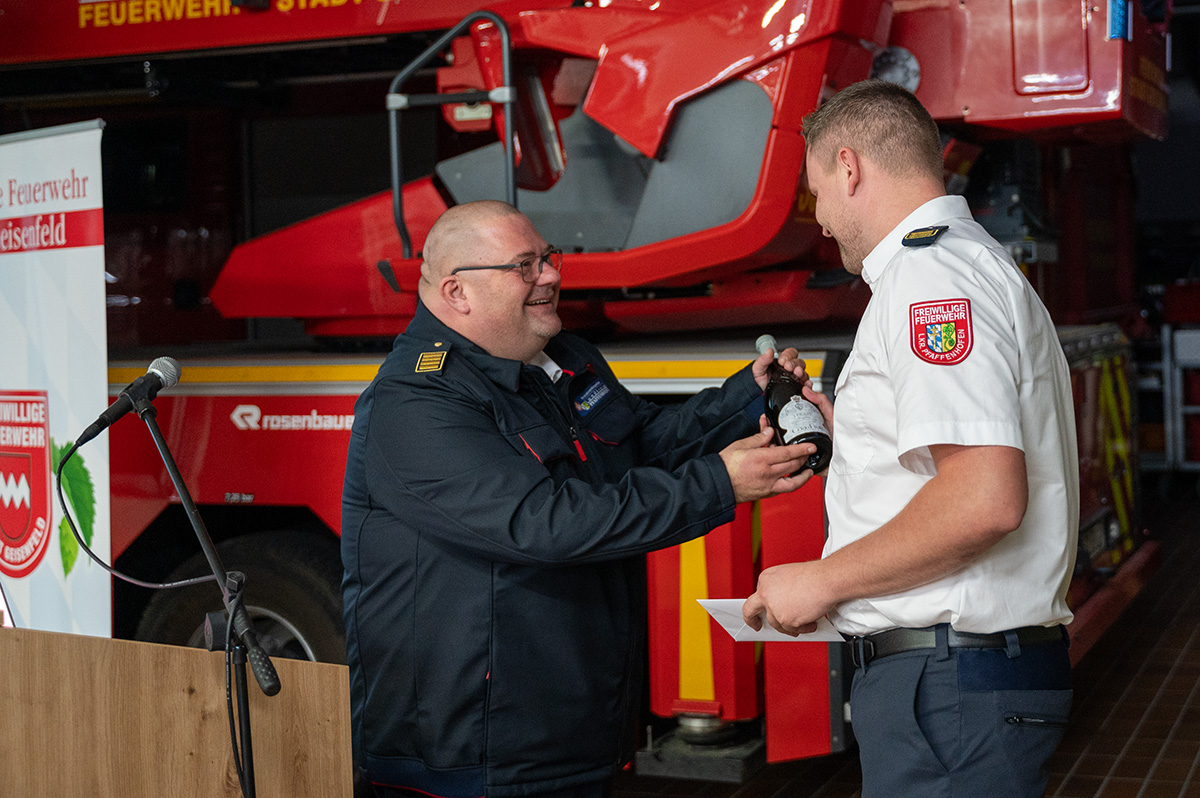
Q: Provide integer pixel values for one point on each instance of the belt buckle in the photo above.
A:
(862, 651)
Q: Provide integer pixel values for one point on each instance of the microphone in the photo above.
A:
(162, 374)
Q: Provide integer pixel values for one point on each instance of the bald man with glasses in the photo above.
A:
(501, 490)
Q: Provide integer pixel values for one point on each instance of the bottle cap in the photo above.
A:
(765, 342)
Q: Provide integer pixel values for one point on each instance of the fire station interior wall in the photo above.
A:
(300, 166)
(1168, 171)
(1166, 174)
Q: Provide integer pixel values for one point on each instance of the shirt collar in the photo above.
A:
(547, 364)
(937, 211)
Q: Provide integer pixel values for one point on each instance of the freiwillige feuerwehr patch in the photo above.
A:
(430, 361)
(923, 236)
(941, 331)
(24, 481)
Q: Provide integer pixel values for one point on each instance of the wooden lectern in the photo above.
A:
(89, 716)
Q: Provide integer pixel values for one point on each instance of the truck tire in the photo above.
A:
(293, 597)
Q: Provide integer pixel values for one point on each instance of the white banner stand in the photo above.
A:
(53, 377)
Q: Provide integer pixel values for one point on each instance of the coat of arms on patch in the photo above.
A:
(941, 331)
(24, 481)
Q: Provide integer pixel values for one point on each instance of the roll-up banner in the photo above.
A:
(53, 378)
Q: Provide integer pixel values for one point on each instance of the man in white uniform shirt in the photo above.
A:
(952, 496)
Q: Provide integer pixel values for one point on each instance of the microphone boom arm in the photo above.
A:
(260, 662)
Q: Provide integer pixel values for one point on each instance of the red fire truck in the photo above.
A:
(250, 233)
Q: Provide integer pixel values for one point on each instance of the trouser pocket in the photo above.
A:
(891, 703)
(1034, 722)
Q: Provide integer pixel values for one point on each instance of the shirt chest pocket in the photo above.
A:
(853, 441)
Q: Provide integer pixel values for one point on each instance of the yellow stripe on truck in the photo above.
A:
(259, 373)
(687, 369)
(365, 372)
(696, 682)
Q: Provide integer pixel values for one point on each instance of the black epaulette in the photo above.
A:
(432, 362)
(924, 236)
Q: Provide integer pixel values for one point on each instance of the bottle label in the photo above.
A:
(800, 417)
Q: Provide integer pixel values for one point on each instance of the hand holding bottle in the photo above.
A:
(769, 359)
(790, 360)
(795, 416)
(758, 471)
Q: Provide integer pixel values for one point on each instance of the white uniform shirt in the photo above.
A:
(955, 347)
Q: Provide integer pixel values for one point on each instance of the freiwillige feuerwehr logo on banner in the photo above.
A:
(24, 481)
(941, 331)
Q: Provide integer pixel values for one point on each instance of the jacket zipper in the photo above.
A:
(578, 444)
(1043, 723)
(551, 397)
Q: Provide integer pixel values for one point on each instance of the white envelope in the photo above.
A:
(728, 613)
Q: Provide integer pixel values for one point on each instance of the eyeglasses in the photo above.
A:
(531, 268)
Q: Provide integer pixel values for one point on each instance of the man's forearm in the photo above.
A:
(976, 498)
(704, 424)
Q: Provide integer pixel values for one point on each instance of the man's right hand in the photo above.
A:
(758, 470)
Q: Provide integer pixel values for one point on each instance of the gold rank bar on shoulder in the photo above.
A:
(430, 361)
(924, 236)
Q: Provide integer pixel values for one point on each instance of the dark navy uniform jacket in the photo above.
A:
(493, 527)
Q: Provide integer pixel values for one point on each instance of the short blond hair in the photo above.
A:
(881, 121)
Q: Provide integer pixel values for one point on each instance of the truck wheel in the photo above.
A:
(293, 597)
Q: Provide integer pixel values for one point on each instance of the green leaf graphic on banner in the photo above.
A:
(68, 547)
(81, 495)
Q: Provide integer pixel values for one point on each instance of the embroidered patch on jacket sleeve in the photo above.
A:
(941, 331)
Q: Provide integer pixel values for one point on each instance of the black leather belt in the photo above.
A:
(897, 641)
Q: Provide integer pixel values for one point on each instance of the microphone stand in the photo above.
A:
(246, 645)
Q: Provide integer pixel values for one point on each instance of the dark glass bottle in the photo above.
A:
(794, 418)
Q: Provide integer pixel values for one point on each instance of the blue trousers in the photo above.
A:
(961, 722)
